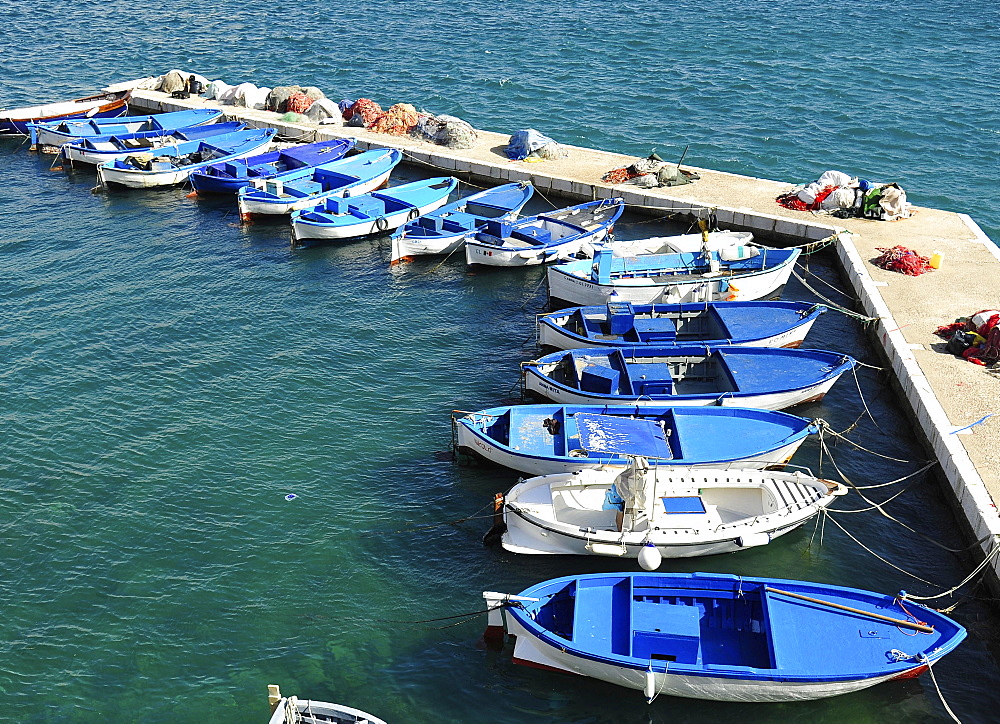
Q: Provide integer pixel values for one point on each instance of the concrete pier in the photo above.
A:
(944, 394)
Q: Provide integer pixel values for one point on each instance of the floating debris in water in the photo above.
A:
(291, 496)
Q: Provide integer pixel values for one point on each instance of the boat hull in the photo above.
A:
(306, 233)
(490, 255)
(531, 651)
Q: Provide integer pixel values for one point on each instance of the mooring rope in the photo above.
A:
(824, 429)
(922, 658)
(833, 305)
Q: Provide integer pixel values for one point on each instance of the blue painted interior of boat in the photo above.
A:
(683, 504)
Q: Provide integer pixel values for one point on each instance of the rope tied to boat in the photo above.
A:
(864, 319)
(923, 659)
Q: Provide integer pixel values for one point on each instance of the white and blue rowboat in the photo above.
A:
(292, 710)
(111, 104)
(376, 212)
(736, 273)
(545, 439)
(444, 230)
(101, 149)
(679, 512)
(770, 378)
(55, 133)
(230, 177)
(721, 637)
(623, 324)
(309, 187)
(173, 164)
(548, 237)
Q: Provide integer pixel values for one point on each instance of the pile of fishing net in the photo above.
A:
(975, 338)
(289, 98)
(903, 260)
(649, 173)
(363, 112)
(399, 120)
(843, 196)
(530, 145)
(446, 130)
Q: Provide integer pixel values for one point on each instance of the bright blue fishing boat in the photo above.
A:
(96, 150)
(110, 104)
(545, 439)
(308, 187)
(230, 177)
(444, 230)
(623, 324)
(560, 234)
(376, 212)
(173, 164)
(721, 637)
(770, 378)
(56, 133)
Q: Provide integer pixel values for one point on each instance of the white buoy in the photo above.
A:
(650, 689)
(649, 557)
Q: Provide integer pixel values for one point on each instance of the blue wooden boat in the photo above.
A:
(770, 378)
(230, 177)
(308, 187)
(376, 212)
(101, 149)
(444, 230)
(623, 324)
(545, 439)
(564, 233)
(110, 104)
(173, 164)
(721, 637)
(739, 273)
(56, 133)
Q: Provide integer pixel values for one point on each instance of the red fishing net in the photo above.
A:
(903, 260)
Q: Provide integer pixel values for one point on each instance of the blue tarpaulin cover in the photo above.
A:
(524, 142)
(683, 504)
(622, 436)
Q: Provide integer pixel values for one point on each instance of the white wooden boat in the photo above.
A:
(554, 235)
(173, 165)
(718, 636)
(712, 240)
(545, 439)
(622, 324)
(735, 273)
(771, 378)
(682, 512)
(292, 710)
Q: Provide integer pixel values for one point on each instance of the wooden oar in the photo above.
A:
(880, 617)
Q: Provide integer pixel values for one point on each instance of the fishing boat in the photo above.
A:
(292, 710)
(444, 230)
(172, 165)
(741, 273)
(545, 439)
(770, 378)
(376, 212)
(308, 187)
(544, 238)
(102, 105)
(721, 637)
(677, 512)
(623, 324)
(101, 149)
(48, 134)
(231, 176)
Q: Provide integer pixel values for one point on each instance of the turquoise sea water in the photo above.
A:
(170, 377)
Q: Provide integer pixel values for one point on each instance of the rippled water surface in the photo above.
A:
(170, 377)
